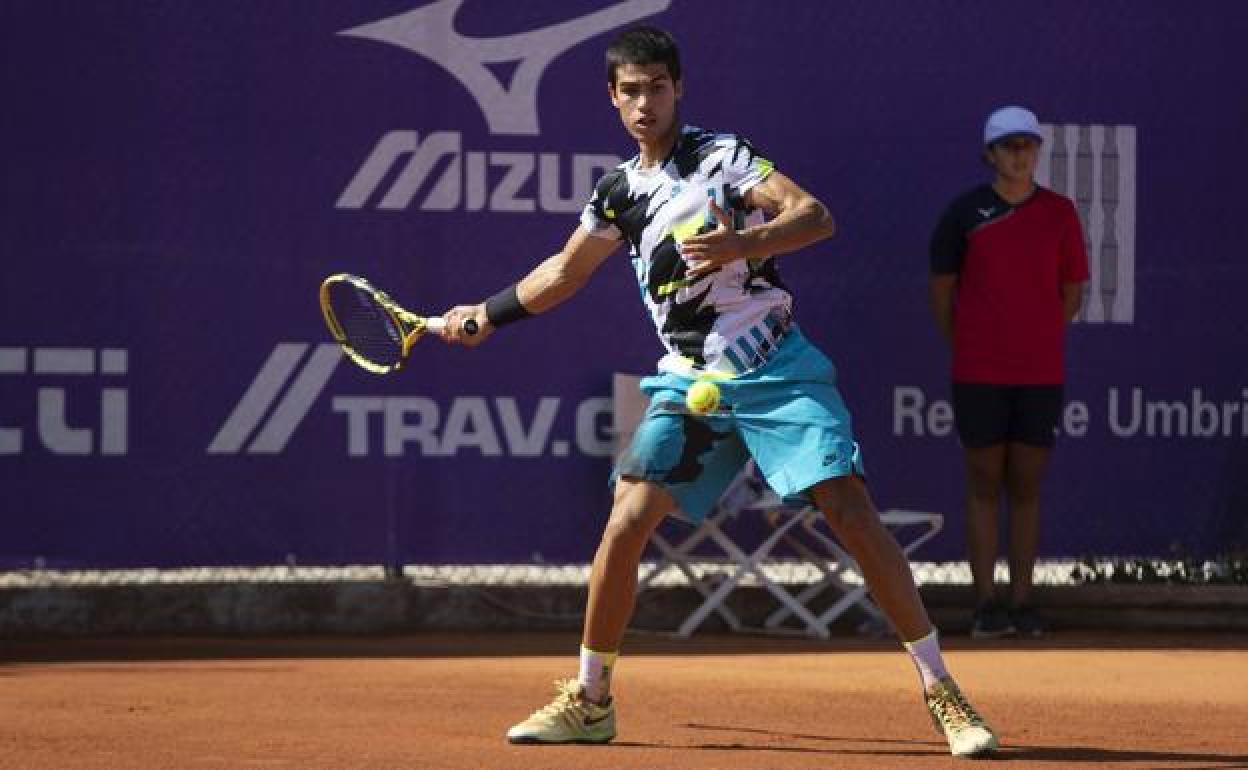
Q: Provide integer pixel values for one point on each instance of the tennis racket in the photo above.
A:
(373, 330)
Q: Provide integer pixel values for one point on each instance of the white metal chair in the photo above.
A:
(743, 565)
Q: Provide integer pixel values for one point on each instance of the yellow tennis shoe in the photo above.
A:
(567, 719)
(968, 733)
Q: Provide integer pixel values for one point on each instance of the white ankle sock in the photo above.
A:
(595, 675)
(925, 653)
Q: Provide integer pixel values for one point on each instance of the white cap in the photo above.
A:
(1011, 121)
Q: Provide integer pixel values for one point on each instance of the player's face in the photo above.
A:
(646, 97)
(1014, 159)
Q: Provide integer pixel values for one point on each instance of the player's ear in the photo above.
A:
(678, 88)
(611, 93)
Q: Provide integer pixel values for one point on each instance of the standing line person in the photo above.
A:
(690, 206)
(1008, 265)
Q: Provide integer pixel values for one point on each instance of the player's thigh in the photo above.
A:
(638, 507)
(693, 459)
(799, 434)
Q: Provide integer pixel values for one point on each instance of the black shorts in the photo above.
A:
(987, 415)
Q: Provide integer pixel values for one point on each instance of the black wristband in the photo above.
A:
(505, 307)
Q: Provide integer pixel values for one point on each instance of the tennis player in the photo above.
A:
(703, 214)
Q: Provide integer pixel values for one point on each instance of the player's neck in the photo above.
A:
(655, 152)
(1014, 191)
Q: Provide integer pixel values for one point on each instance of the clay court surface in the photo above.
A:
(444, 701)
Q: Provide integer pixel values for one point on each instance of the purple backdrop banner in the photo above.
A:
(178, 177)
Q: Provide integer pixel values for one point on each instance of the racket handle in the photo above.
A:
(437, 324)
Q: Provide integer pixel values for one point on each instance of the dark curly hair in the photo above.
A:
(643, 45)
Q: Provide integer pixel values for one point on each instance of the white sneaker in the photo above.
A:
(969, 735)
(567, 719)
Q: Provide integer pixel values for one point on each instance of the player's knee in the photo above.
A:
(852, 520)
(634, 514)
(626, 527)
(847, 507)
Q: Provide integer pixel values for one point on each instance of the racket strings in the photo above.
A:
(366, 327)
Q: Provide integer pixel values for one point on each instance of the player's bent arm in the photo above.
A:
(556, 279)
(940, 298)
(1072, 300)
(795, 217)
(563, 274)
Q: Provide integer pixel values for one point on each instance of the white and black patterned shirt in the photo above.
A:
(730, 320)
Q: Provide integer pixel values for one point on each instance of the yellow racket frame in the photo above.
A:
(410, 325)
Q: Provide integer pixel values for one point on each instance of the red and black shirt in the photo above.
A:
(1011, 262)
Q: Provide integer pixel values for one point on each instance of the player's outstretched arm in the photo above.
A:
(556, 279)
(796, 219)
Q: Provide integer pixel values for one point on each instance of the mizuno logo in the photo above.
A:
(985, 213)
(436, 173)
(430, 32)
(266, 388)
(595, 720)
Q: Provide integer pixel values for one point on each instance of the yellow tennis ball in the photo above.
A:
(703, 397)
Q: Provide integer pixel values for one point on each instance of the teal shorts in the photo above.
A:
(787, 415)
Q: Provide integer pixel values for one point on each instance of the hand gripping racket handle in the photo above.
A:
(437, 324)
